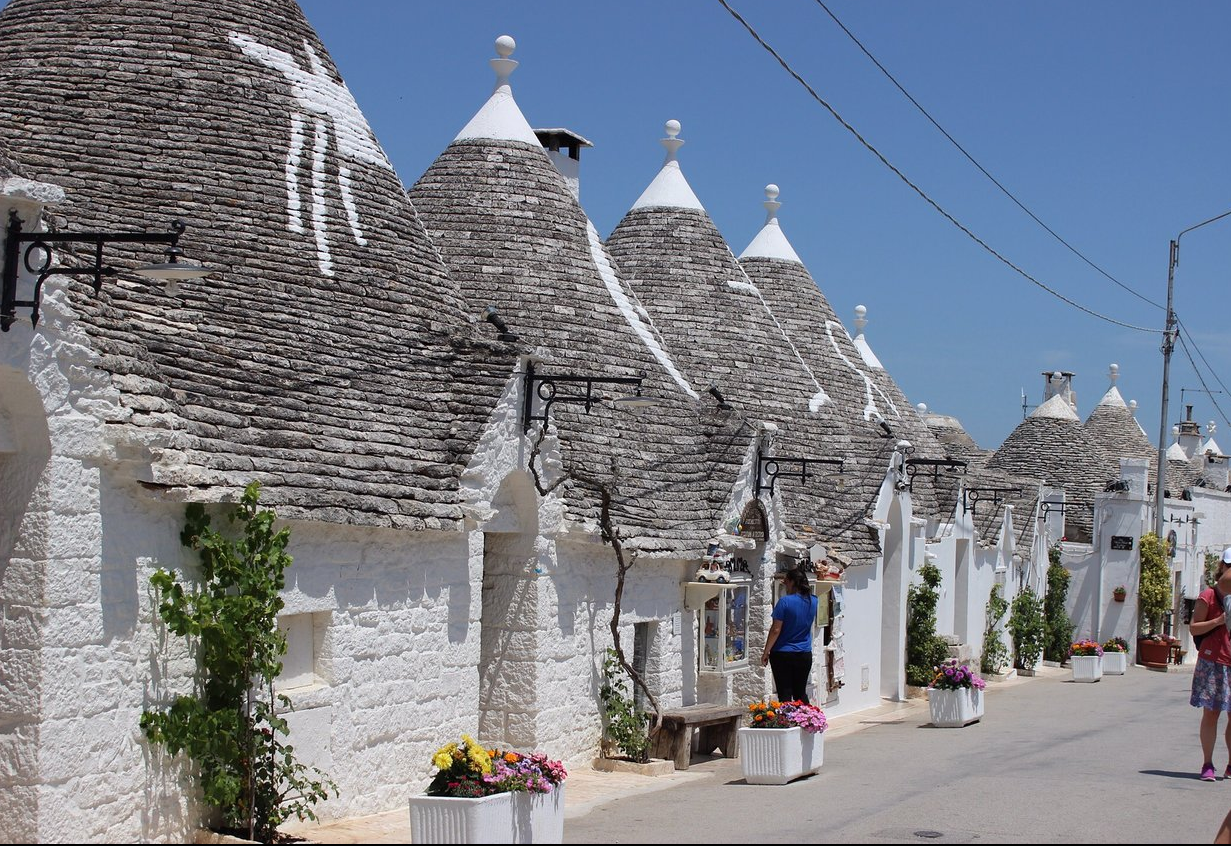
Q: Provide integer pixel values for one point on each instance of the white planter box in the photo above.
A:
(776, 756)
(1087, 668)
(955, 708)
(539, 817)
(1115, 663)
(444, 819)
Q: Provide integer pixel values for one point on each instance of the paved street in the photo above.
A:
(1052, 761)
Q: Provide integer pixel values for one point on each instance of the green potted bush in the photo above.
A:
(1153, 601)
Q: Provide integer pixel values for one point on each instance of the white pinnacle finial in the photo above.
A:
(923, 407)
(861, 318)
(672, 143)
(1175, 432)
(771, 203)
(1132, 407)
(504, 66)
(1113, 372)
(1210, 427)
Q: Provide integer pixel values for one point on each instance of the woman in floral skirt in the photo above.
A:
(1212, 676)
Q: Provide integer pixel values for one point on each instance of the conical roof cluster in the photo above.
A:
(330, 356)
(728, 334)
(513, 236)
(1052, 444)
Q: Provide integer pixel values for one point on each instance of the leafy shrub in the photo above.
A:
(925, 650)
(623, 724)
(1154, 589)
(1058, 628)
(995, 654)
(1027, 629)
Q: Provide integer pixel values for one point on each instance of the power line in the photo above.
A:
(1214, 373)
(915, 187)
(1201, 378)
(981, 168)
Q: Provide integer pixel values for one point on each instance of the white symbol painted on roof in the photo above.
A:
(328, 105)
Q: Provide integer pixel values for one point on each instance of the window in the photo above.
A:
(305, 635)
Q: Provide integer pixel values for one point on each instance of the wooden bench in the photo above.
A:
(715, 726)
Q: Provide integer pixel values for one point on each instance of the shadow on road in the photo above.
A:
(1172, 774)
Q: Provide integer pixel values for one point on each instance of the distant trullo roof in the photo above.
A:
(727, 334)
(1052, 445)
(1114, 427)
(329, 358)
(514, 236)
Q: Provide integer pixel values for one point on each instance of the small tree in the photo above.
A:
(1154, 587)
(1058, 636)
(1026, 627)
(229, 727)
(995, 653)
(925, 650)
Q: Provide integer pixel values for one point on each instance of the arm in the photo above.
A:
(1202, 622)
(774, 631)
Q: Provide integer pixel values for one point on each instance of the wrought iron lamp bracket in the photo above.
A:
(912, 466)
(772, 467)
(564, 388)
(971, 497)
(37, 258)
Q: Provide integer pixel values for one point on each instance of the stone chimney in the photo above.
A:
(563, 147)
(1189, 437)
(1059, 382)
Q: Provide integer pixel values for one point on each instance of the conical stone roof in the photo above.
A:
(1052, 445)
(1115, 428)
(329, 357)
(727, 333)
(514, 237)
(862, 395)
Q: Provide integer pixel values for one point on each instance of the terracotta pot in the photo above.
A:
(1152, 653)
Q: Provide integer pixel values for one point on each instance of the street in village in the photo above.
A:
(1052, 761)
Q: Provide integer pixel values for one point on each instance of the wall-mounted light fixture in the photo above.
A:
(713, 391)
(37, 258)
(971, 497)
(548, 391)
(771, 467)
(490, 315)
(1049, 507)
(912, 466)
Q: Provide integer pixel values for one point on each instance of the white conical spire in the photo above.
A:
(1113, 396)
(500, 119)
(861, 343)
(669, 188)
(770, 242)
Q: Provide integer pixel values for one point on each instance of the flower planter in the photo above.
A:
(447, 819)
(955, 708)
(779, 755)
(1087, 668)
(538, 817)
(1153, 653)
(1115, 663)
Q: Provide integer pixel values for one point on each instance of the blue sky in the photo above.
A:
(1108, 120)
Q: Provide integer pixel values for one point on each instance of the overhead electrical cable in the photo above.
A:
(1184, 332)
(974, 162)
(919, 190)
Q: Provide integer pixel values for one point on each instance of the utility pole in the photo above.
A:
(1168, 345)
(1169, 334)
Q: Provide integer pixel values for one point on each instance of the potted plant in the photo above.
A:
(1115, 657)
(783, 741)
(955, 696)
(489, 796)
(1153, 601)
(1086, 657)
(1119, 593)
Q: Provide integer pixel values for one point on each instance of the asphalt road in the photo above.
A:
(1052, 761)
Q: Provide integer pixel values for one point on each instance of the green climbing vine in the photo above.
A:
(925, 650)
(1058, 636)
(229, 727)
(995, 654)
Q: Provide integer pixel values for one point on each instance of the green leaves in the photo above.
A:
(1027, 628)
(925, 650)
(1058, 627)
(995, 653)
(623, 724)
(231, 730)
(1154, 588)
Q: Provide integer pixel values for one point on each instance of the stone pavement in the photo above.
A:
(587, 788)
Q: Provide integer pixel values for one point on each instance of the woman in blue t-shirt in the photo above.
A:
(788, 649)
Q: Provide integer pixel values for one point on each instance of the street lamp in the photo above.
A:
(1169, 344)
